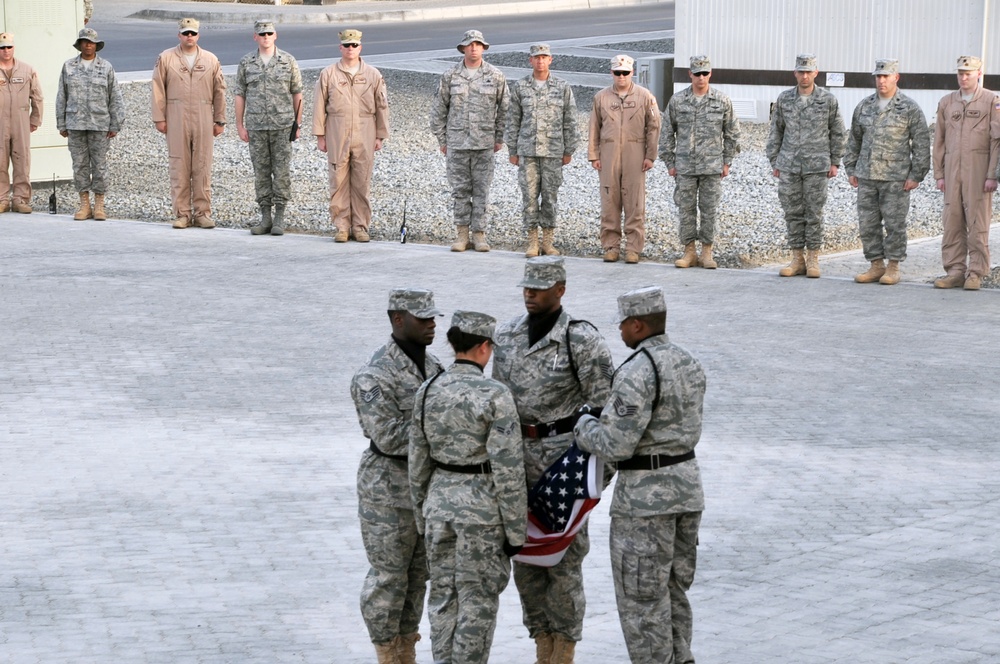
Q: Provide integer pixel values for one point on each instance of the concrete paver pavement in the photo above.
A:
(179, 451)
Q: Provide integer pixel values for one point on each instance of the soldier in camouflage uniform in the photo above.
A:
(541, 138)
(650, 426)
(700, 138)
(553, 364)
(469, 496)
(392, 598)
(268, 102)
(804, 147)
(90, 112)
(467, 120)
(88, 10)
(888, 155)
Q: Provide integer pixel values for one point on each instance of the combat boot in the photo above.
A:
(181, 222)
(891, 276)
(278, 223)
(873, 274)
(341, 236)
(21, 206)
(973, 282)
(543, 648)
(611, 255)
(5, 205)
(532, 249)
(406, 649)
(950, 281)
(462, 241)
(479, 241)
(706, 259)
(812, 263)
(84, 211)
(548, 237)
(361, 235)
(99, 213)
(562, 650)
(796, 267)
(388, 653)
(265, 225)
(204, 221)
(690, 257)
(631, 257)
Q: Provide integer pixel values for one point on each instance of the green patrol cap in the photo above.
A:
(805, 62)
(473, 322)
(648, 300)
(543, 272)
(886, 67)
(260, 27)
(539, 49)
(700, 63)
(416, 301)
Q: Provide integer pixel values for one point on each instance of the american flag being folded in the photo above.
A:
(559, 504)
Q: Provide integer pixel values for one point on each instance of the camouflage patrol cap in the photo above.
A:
(543, 272)
(540, 49)
(350, 37)
(700, 63)
(805, 62)
(260, 27)
(473, 322)
(886, 67)
(416, 301)
(189, 24)
(88, 34)
(622, 62)
(648, 300)
(472, 36)
(6, 38)
(969, 63)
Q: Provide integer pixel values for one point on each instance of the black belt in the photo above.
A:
(397, 457)
(548, 429)
(470, 469)
(654, 461)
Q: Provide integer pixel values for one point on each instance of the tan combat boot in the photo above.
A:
(973, 282)
(611, 255)
(950, 281)
(462, 243)
(873, 274)
(631, 257)
(891, 276)
(181, 222)
(543, 648)
(706, 259)
(361, 235)
(406, 649)
(690, 257)
(5, 205)
(84, 211)
(532, 249)
(812, 263)
(562, 650)
(204, 221)
(796, 267)
(479, 241)
(341, 235)
(548, 237)
(99, 212)
(388, 652)
(23, 207)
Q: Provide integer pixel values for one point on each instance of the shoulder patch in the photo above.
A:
(372, 395)
(506, 430)
(622, 410)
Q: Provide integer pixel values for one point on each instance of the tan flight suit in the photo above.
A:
(622, 134)
(966, 148)
(20, 107)
(351, 111)
(190, 102)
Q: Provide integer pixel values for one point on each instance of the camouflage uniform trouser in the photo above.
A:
(552, 599)
(691, 194)
(881, 202)
(539, 177)
(652, 562)
(802, 196)
(468, 572)
(271, 156)
(89, 152)
(470, 174)
(392, 597)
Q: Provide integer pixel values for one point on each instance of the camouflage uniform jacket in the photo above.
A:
(470, 108)
(88, 9)
(543, 383)
(889, 145)
(541, 121)
(699, 136)
(806, 136)
(383, 391)
(89, 98)
(267, 89)
(462, 418)
(629, 426)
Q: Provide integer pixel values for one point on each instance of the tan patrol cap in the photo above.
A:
(350, 37)
(969, 63)
(189, 25)
(622, 62)
(6, 38)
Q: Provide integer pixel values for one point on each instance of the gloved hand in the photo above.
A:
(586, 409)
(511, 550)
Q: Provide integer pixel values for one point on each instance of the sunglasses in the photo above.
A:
(622, 73)
(701, 73)
(351, 45)
(4, 48)
(189, 33)
(265, 34)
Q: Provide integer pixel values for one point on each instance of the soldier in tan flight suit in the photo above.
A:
(350, 122)
(19, 91)
(189, 106)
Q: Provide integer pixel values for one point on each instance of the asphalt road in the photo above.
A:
(134, 45)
